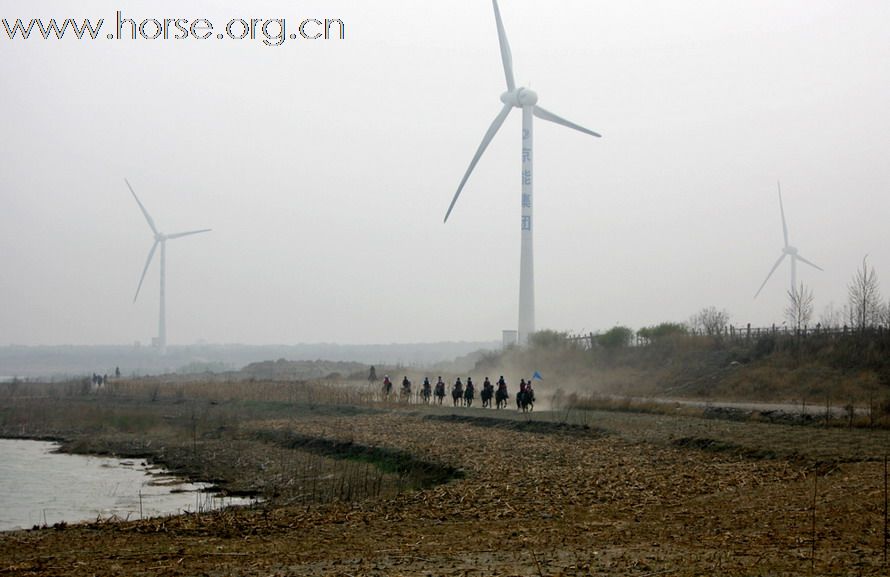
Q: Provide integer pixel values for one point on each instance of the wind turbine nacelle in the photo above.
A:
(791, 250)
(520, 97)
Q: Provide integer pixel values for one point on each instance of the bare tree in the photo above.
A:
(710, 321)
(800, 307)
(833, 317)
(864, 297)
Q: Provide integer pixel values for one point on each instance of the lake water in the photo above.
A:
(39, 486)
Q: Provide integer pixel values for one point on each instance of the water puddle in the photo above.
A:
(39, 487)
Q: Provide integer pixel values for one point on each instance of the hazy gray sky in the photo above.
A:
(325, 168)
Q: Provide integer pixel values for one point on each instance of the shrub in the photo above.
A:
(548, 339)
(663, 331)
(615, 337)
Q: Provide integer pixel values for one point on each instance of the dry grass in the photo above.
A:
(643, 494)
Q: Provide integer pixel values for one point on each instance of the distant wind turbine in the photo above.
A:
(527, 100)
(160, 239)
(788, 250)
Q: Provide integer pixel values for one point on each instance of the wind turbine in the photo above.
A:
(788, 250)
(160, 239)
(527, 100)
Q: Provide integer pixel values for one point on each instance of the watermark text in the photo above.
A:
(268, 31)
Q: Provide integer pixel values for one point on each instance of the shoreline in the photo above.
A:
(588, 491)
(52, 488)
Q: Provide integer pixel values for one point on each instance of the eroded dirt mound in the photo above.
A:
(716, 446)
(418, 472)
(514, 424)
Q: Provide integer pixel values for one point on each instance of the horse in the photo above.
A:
(469, 395)
(440, 392)
(386, 390)
(485, 395)
(405, 395)
(427, 393)
(525, 400)
(501, 397)
(457, 394)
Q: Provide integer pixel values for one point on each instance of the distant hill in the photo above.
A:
(303, 370)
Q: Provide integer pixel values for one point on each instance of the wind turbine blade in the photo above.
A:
(492, 130)
(782, 209)
(151, 253)
(775, 266)
(506, 55)
(803, 260)
(182, 234)
(547, 115)
(151, 223)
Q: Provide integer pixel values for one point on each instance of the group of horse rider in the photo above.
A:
(463, 394)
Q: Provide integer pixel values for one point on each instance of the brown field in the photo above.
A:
(358, 487)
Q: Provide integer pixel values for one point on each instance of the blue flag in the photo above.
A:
(537, 376)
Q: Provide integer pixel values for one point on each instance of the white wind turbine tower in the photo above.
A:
(788, 250)
(527, 100)
(160, 239)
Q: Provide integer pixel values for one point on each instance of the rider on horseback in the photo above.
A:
(406, 385)
(525, 399)
(427, 389)
(502, 394)
(487, 393)
(457, 391)
(440, 390)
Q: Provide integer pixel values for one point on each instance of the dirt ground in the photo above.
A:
(622, 497)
